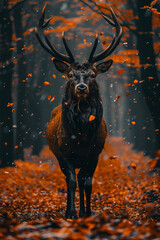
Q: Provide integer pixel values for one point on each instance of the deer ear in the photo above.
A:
(104, 66)
(61, 66)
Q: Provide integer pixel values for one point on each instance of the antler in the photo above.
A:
(115, 41)
(45, 43)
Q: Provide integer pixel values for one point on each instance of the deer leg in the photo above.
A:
(88, 191)
(81, 182)
(71, 188)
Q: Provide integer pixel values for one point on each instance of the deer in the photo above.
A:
(77, 131)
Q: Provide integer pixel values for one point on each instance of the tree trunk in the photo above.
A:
(6, 68)
(21, 70)
(150, 85)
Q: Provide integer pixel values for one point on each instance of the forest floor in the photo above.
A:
(125, 198)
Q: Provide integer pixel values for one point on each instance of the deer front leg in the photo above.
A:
(88, 191)
(81, 182)
(71, 188)
(88, 184)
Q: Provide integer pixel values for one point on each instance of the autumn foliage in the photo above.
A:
(125, 200)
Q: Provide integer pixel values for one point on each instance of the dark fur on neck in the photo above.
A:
(76, 113)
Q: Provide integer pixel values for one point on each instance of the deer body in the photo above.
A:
(76, 131)
(77, 141)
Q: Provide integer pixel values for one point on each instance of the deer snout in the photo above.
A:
(81, 88)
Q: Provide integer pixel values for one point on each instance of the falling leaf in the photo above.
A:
(133, 122)
(91, 118)
(28, 31)
(16, 146)
(135, 81)
(66, 103)
(121, 71)
(49, 97)
(10, 104)
(153, 163)
(29, 74)
(127, 85)
(46, 83)
(153, 3)
(54, 76)
(52, 99)
(117, 98)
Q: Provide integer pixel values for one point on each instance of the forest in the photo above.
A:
(126, 194)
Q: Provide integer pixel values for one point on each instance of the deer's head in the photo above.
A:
(80, 76)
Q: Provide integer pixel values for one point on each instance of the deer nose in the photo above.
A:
(81, 88)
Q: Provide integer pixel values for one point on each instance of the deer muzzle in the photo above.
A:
(81, 90)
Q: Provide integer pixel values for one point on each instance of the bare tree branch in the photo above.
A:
(16, 5)
(124, 21)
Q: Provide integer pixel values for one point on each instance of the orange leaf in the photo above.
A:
(153, 163)
(91, 118)
(119, 72)
(153, 3)
(133, 165)
(117, 98)
(46, 83)
(10, 104)
(49, 97)
(52, 99)
(135, 81)
(54, 76)
(28, 31)
(127, 85)
(133, 122)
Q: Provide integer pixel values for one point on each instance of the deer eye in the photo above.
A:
(70, 75)
(93, 75)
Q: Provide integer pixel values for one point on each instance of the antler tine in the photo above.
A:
(93, 49)
(45, 43)
(67, 48)
(39, 31)
(115, 40)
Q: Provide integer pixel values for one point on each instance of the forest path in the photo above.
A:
(125, 198)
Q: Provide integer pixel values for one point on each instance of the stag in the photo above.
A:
(76, 131)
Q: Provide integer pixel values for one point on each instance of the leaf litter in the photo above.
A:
(125, 198)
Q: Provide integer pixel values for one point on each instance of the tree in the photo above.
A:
(149, 73)
(6, 70)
